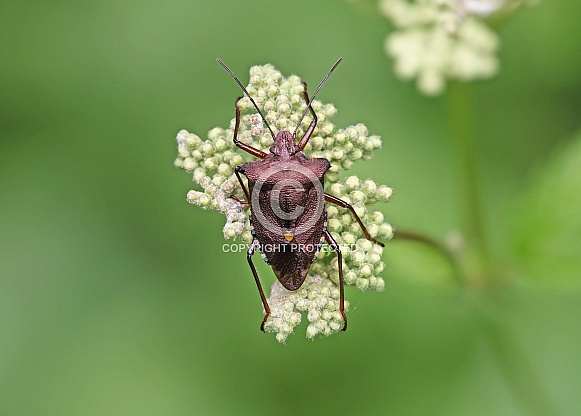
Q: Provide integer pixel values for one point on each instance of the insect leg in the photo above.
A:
(262, 297)
(240, 201)
(337, 201)
(253, 151)
(313, 124)
(329, 239)
(237, 171)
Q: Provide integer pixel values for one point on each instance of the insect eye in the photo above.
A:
(272, 150)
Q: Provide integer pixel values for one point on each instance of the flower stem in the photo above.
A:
(441, 248)
(475, 260)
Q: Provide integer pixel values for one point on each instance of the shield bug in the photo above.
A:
(287, 202)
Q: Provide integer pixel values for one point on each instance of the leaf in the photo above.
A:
(546, 230)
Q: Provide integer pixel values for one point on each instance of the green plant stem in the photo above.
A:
(441, 248)
(474, 261)
(475, 258)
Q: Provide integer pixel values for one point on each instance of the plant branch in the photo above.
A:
(430, 242)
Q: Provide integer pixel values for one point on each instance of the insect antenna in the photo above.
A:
(315, 94)
(248, 95)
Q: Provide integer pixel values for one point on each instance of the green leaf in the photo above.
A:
(546, 230)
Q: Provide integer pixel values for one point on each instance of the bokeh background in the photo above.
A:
(115, 295)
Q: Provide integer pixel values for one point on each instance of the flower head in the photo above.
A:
(436, 40)
(212, 162)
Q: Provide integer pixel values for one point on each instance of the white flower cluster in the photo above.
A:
(212, 163)
(218, 158)
(318, 298)
(437, 40)
(362, 258)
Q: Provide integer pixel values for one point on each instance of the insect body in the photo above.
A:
(287, 203)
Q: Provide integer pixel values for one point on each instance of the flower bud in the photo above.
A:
(362, 283)
(384, 193)
(189, 164)
(352, 183)
(385, 231)
(199, 173)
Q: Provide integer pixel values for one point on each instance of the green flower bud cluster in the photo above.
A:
(318, 298)
(343, 148)
(436, 40)
(211, 163)
(362, 259)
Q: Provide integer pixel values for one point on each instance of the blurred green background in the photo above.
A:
(115, 295)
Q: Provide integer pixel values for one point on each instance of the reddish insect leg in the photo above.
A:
(329, 239)
(262, 297)
(313, 124)
(253, 151)
(337, 201)
(237, 171)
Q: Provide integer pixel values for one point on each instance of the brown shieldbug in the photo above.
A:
(287, 203)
